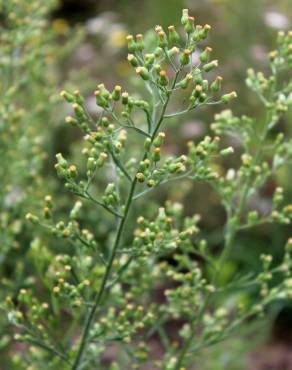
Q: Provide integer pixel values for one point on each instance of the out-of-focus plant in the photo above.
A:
(26, 103)
(103, 293)
(29, 54)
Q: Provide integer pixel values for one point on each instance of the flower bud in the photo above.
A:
(61, 160)
(91, 164)
(125, 98)
(132, 60)
(139, 42)
(149, 60)
(116, 94)
(227, 151)
(140, 177)
(158, 52)
(143, 72)
(68, 97)
(228, 97)
(100, 100)
(101, 159)
(72, 171)
(216, 85)
(203, 33)
(185, 81)
(31, 218)
(72, 121)
(162, 39)
(197, 91)
(185, 16)
(205, 55)
(173, 52)
(104, 92)
(78, 97)
(147, 143)
(159, 140)
(189, 25)
(79, 111)
(156, 155)
(173, 36)
(185, 57)
(209, 66)
(132, 47)
(163, 80)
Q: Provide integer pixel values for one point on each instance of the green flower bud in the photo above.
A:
(132, 60)
(209, 66)
(105, 122)
(31, 218)
(159, 140)
(163, 80)
(147, 143)
(149, 60)
(78, 97)
(203, 33)
(140, 177)
(132, 47)
(184, 83)
(190, 25)
(151, 183)
(228, 97)
(173, 52)
(139, 42)
(116, 94)
(100, 100)
(104, 92)
(91, 164)
(158, 52)
(205, 55)
(75, 210)
(157, 68)
(79, 111)
(216, 85)
(185, 57)
(185, 16)
(125, 98)
(101, 159)
(205, 85)
(173, 36)
(162, 39)
(143, 72)
(197, 91)
(68, 97)
(72, 171)
(61, 160)
(72, 121)
(156, 155)
(110, 189)
(227, 151)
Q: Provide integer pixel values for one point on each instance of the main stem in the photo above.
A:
(106, 275)
(122, 222)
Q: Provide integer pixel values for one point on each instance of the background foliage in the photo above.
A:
(50, 46)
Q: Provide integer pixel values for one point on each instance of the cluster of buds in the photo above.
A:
(227, 124)
(28, 310)
(282, 57)
(171, 49)
(126, 322)
(161, 235)
(190, 288)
